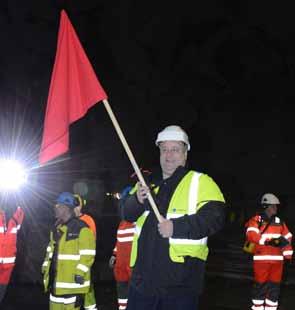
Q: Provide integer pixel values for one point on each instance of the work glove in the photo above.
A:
(272, 242)
(79, 279)
(112, 261)
(283, 242)
(277, 242)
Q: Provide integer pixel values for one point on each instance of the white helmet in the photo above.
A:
(173, 133)
(270, 199)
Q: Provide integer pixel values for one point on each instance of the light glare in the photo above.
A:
(12, 175)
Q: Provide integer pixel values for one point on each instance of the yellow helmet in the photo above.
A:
(80, 200)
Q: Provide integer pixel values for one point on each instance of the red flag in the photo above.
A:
(74, 88)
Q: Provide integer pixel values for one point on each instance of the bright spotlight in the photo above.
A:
(12, 175)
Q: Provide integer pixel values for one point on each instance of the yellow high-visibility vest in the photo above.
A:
(191, 194)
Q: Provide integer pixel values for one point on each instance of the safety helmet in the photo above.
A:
(173, 133)
(67, 199)
(269, 199)
(125, 192)
(80, 202)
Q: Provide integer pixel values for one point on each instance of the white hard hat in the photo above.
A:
(270, 199)
(173, 133)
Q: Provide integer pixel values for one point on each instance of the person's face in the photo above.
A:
(62, 212)
(271, 210)
(77, 211)
(172, 155)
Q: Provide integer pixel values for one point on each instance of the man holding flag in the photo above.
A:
(169, 257)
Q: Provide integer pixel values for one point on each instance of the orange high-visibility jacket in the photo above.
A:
(90, 222)
(8, 236)
(123, 246)
(275, 230)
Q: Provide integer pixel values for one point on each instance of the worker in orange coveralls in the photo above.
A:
(272, 240)
(9, 227)
(120, 259)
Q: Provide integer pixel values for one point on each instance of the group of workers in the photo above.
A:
(159, 262)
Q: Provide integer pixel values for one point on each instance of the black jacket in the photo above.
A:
(154, 273)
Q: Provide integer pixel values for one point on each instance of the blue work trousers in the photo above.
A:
(138, 301)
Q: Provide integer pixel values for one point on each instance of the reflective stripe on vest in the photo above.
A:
(185, 201)
(12, 231)
(125, 235)
(63, 300)
(139, 223)
(192, 205)
(71, 285)
(7, 260)
(268, 257)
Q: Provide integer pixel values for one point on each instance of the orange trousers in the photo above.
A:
(268, 271)
(5, 273)
(267, 280)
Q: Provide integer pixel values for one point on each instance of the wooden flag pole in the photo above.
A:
(131, 157)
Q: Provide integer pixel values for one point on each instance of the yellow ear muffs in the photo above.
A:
(81, 202)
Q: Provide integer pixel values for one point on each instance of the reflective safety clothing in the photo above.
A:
(90, 222)
(70, 253)
(65, 302)
(122, 270)
(186, 200)
(275, 230)
(89, 300)
(122, 250)
(267, 260)
(8, 239)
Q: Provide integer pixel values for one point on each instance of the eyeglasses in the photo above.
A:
(174, 150)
